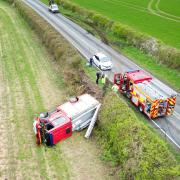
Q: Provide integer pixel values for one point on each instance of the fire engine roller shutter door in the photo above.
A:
(134, 99)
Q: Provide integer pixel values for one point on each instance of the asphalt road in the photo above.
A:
(87, 45)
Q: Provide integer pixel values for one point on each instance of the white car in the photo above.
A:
(54, 8)
(102, 61)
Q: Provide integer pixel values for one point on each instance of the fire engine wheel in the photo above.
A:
(140, 108)
(38, 141)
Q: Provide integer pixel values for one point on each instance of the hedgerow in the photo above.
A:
(164, 54)
(139, 152)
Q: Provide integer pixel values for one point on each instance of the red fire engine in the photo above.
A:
(74, 115)
(143, 91)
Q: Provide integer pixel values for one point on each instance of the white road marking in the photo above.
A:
(170, 138)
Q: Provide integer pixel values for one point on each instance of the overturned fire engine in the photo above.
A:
(152, 99)
(74, 115)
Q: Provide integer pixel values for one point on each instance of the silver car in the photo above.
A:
(102, 61)
(54, 8)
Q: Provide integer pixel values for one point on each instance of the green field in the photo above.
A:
(160, 19)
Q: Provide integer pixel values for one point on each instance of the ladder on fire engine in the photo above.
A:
(92, 123)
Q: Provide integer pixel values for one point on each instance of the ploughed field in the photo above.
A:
(30, 83)
(158, 18)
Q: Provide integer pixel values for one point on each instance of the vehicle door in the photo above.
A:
(118, 78)
(62, 129)
(56, 134)
(96, 60)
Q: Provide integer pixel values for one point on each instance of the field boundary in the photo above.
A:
(160, 13)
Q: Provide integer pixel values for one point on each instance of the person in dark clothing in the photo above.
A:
(51, 2)
(90, 61)
(98, 76)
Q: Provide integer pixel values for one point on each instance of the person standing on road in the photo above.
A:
(98, 76)
(90, 61)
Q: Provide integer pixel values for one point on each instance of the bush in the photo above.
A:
(100, 21)
(139, 152)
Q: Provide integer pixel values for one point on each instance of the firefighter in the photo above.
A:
(98, 76)
(104, 82)
(124, 82)
(115, 88)
(118, 79)
(103, 79)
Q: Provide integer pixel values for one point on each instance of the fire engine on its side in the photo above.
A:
(74, 115)
(141, 88)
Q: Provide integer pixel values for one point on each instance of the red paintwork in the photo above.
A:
(138, 76)
(134, 77)
(60, 131)
(125, 84)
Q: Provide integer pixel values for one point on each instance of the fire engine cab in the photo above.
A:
(143, 91)
(74, 115)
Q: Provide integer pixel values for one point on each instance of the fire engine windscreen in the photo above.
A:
(58, 120)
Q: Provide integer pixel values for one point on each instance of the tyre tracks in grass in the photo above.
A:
(154, 9)
(128, 5)
(165, 13)
(18, 148)
(3, 117)
(24, 160)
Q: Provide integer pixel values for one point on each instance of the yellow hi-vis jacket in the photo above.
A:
(103, 79)
(115, 88)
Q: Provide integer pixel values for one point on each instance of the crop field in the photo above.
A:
(30, 83)
(158, 18)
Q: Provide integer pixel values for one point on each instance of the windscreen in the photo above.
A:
(105, 59)
(54, 6)
(58, 121)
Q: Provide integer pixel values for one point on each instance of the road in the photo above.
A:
(87, 45)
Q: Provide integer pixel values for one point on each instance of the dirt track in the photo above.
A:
(29, 84)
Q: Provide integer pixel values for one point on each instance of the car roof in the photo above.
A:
(100, 55)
